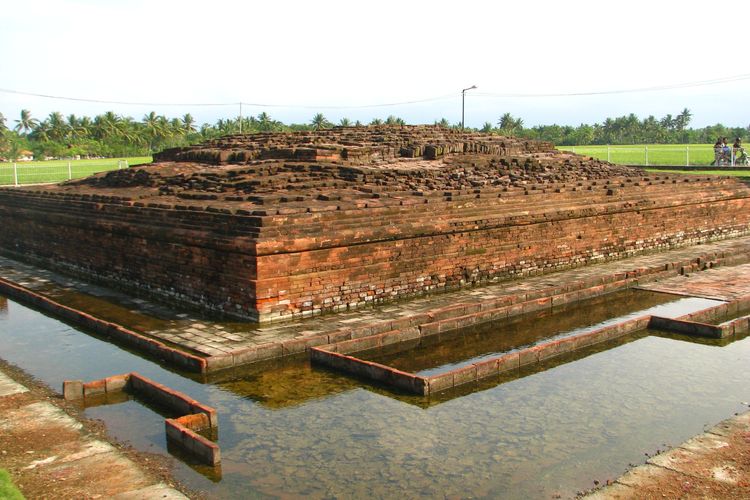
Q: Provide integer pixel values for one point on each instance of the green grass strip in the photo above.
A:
(8, 491)
(41, 172)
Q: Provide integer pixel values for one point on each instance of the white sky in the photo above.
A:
(325, 52)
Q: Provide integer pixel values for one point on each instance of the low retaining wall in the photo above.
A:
(415, 384)
(338, 356)
(694, 323)
(183, 431)
(464, 314)
(108, 329)
(435, 321)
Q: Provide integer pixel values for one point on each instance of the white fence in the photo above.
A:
(663, 155)
(18, 173)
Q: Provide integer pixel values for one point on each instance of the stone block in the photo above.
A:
(73, 389)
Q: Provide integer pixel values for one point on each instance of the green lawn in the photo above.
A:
(736, 173)
(656, 154)
(40, 172)
(7, 490)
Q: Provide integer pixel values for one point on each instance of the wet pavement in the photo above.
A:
(48, 452)
(715, 464)
(210, 337)
(723, 283)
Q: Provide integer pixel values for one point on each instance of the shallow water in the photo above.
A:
(295, 430)
(441, 353)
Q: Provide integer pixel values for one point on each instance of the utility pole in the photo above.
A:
(463, 99)
(240, 117)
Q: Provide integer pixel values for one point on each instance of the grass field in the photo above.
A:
(650, 154)
(40, 172)
(734, 173)
(7, 490)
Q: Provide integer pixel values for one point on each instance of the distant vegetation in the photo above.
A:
(112, 135)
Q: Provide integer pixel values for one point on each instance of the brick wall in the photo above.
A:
(278, 266)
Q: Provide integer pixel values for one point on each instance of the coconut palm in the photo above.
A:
(345, 122)
(376, 121)
(3, 127)
(26, 123)
(510, 125)
(153, 127)
(41, 132)
(58, 128)
(319, 122)
(487, 127)
(265, 123)
(188, 123)
(683, 120)
(394, 120)
(443, 122)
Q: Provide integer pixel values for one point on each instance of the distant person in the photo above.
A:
(740, 155)
(718, 152)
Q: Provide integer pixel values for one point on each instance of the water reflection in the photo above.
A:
(294, 430)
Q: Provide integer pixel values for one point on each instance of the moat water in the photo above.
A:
(294, 430)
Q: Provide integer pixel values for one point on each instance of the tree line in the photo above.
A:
(113, 135)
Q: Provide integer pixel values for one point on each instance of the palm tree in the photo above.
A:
(26, 123)
(393, 120)
(58, 129)
(41, 132)
(376, 121)
(443, 123)
(319, 122)
(345, 122)
(188, 123)
(75, 130)
(487, 127)
(265, 123)
(683, 120)
(510, 125)
(3, 127)
(153, 127)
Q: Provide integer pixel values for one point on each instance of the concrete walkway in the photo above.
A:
(715, 464)
(50, 455)
(187, 331)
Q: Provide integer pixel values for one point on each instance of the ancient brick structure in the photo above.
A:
(275, 226)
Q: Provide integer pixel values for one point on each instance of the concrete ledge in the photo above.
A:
(180, 433)
(376, 372)
(332, 357)
(145, 344)
(692, 324)
(686, 327)
(183, 431)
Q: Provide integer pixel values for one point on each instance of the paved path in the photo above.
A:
(49, 455)
(723, 283)
(188, 331)
(715, 464)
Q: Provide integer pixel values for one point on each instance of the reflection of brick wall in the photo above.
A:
(285, 265)
(3, 305)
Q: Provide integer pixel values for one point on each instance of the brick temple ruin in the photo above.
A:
(277, 226)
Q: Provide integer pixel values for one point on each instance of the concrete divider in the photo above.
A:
(687, 327)
(183, 431)
(371, 371)
(334, 357)
(119, 333)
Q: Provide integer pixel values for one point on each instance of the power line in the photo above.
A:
(702, 83)
(216, 104)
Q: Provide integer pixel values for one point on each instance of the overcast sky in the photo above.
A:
(309, 56)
